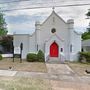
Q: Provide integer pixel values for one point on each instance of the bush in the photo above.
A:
(0, 57)
(31, 57)
(84, 56)
(40, 56)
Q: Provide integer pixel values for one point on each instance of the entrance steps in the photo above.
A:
(53, 60)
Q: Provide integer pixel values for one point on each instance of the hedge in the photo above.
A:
(32, 57)
(84, 56)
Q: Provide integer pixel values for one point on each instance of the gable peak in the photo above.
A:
(53, 12)
(53, 8)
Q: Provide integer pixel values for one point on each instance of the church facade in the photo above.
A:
(55, 37)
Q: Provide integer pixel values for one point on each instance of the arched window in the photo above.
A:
(71, 48)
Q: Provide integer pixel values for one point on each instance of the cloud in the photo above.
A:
(24, 20)
(23, 28)
(29, 12)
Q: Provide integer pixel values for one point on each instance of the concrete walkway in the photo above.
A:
(7, 73)
(61, 77)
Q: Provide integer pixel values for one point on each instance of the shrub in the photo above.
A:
(40, 56)
(31, 57)
(0, 57)
(84, 56)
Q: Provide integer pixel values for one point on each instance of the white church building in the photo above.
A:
(55, 37)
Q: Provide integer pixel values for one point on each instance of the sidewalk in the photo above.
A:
(55, 72)
(60, 75)
(7, 73)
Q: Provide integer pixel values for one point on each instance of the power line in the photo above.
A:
(31, 3)
(25, 0)
(52, 1)
(71, 5)
(13, 1)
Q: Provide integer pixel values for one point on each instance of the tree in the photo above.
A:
(88, 13)
(7, 43)
(3, 29)
(86, 35)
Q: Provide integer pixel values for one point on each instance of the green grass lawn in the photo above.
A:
(24, 66)
(13, 83)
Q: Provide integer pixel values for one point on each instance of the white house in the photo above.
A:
(86, 45)
(55, 37)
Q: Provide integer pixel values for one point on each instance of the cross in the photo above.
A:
(53, 8)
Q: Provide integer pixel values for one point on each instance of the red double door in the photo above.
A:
(54, 50)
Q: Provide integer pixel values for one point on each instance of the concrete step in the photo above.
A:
(54, 60)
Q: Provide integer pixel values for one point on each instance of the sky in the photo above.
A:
(23, 21)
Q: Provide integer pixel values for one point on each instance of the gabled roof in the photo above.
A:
(53, 12)
(56, 36)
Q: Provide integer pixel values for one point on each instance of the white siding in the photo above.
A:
(18, 39)
(32, 46)
(43, 37)
(76, 45)
(61, 32)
